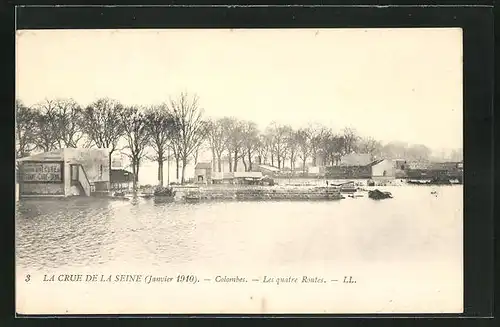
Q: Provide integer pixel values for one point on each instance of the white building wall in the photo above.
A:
(95, 162)
(387, 166)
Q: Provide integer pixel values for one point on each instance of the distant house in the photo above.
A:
(417, 165)
(358, 166)
(383, 168)
(448, 170)
(203, 173)
(351, 166)
(239, 177)
(316, 171)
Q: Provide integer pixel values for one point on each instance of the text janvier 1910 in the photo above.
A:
(188, 279)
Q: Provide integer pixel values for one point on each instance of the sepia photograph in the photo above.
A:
(243, 171)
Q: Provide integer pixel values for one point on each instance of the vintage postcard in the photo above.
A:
(246, 171)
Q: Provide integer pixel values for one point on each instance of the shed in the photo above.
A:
(121, 178)
(64, 172)
(383, 168)
(356, 159)
(203, 173)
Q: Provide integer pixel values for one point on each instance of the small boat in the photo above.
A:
(120, 196)
(348, 187)
(192, 197)
(419, 181)
(164, 192)
(440, 181)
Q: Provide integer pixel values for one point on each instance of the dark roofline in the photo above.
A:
(375, 162)
(121, 170)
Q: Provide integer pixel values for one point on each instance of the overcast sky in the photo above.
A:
(392, 84)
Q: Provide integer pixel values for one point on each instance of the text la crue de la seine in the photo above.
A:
(188, 279)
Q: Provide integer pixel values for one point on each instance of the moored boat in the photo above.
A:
(419, 181)
(164, 192)
(348, 187)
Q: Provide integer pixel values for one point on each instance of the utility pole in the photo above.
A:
(168, 166)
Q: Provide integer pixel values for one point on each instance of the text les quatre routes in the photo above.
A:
(189, 279)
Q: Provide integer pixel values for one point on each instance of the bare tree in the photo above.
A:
(350, 140)
(25, 129)
(262, 149)
(103, 123)
(217, 134)
(68, 121)
(292, 148)
(370, 146)
(191, 128)
(303, 139)
(332, 147)
(251, 143)
(137, 137)
(318, 134)
(176, 146)
(47, 126)
(419, 152)
(395, 150)
(278, 135)
(161, 128)
(236, 140)
(457, 155)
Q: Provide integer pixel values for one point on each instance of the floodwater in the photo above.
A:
(415, 227)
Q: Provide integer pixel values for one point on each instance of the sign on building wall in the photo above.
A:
(42, 172)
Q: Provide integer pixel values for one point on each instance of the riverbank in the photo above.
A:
(263, 193)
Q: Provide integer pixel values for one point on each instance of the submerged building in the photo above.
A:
(361, 167)
(64, 172)
(436, 170)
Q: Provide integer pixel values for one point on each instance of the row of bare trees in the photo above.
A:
(136, 131)
(178, 127)
(278, 145)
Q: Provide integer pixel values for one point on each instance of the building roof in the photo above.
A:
(45, 156)
(220, 175)
(248, 174)
(237, 174)
(270, 168)
(376, 162)
(356, 159)
(203, 165)
(62, 154)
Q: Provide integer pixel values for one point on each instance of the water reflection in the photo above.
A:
(414, 226)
